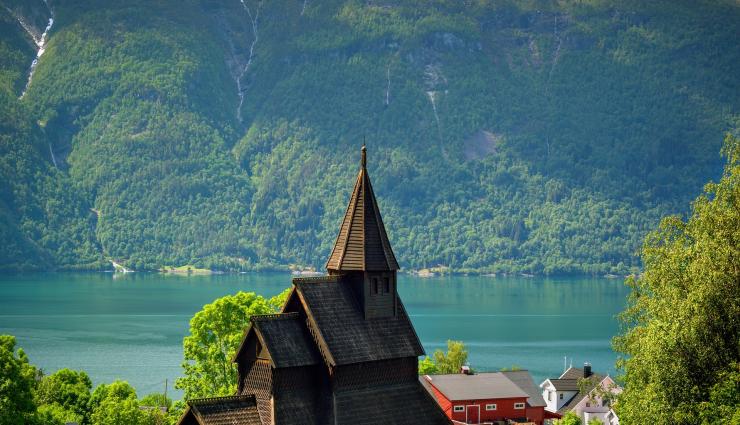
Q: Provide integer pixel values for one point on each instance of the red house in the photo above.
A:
(488, 397)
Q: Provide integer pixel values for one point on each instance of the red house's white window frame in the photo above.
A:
(519, 405)
(491, 406)
(458, 409)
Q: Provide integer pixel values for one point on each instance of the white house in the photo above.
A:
(564, 394)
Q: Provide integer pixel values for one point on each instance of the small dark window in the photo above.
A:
(375, 285)
(387, 285)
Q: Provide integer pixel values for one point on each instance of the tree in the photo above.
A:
(680, 331)
(116, 404)
(455, 358)
(17, 382)
(54, 414)
(451, 362)
(156, 400)
(68, 389)
(215, 334)
(427, 366)
(569, 418)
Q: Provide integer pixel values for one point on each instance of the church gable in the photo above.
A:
(286, 339)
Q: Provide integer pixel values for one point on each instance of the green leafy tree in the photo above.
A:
(442, 362)
(68, 389)
(569, 418)
(156, 400)
(54, 414)
(454, 359)
(724, 399)
(17, 382)
(116, 404)
(681, 329)
(427, 366)
(215, 334)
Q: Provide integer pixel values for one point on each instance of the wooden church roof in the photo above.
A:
(234, 410)
(286, 339)
(362, 243)
(344, 334)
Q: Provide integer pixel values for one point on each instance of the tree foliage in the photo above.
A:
(570, 418)
(681, 336)
(544, 137)
(215, 333)
(116, 404)
(440, 362)
(17, 382)
(68, 391)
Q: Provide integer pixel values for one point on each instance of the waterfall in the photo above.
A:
(388, 86)
(556, 55)
(120, 268)
(53, 158)
(303, 9)
(41, 48)
(433, 100)
(254, 21)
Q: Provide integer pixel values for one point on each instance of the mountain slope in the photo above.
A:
(543, 137)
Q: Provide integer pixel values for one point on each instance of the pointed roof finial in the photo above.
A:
(362, 243)
(364, 154)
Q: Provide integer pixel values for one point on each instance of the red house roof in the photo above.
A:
(475, 387)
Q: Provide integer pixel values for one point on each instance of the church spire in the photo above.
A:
(362, 243)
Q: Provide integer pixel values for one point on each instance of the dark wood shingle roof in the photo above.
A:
(569, 382)
(346, 335)
(287, 340)
(400, 404)
(362, 243)
(236, 410)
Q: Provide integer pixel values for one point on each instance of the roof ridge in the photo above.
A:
(316, 279)
(274, 316)
(242, 397)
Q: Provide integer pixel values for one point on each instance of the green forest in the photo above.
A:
(503, 136)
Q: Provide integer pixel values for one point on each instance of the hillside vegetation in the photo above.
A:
(535, 136)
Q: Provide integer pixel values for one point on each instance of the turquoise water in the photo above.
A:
(131, 326)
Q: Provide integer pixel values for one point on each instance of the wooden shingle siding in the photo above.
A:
(399, 404)
(383, 372)
(258, 381)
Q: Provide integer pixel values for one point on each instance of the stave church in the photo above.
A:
(343, 349)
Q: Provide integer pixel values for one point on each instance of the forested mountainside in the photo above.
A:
(535, 136)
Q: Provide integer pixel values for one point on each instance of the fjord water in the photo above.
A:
(131, 326)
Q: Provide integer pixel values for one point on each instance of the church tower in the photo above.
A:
(362, 254)
(342, 351)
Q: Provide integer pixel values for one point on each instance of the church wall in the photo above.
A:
(383, 372)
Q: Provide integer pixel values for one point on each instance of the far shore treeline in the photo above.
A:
(679, 338)
(504, 136)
